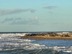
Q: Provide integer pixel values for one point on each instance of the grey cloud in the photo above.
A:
(9, 20)
(20, 21)
(50, 7)
(32, 10)
(6, 12)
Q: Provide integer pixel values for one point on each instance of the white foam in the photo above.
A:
(11, 41)
(67, 51)
(0, 37)
(62, 48)
(12, 35)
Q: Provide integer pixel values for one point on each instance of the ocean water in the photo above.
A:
(11, 43)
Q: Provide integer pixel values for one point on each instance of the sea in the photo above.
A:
(12, 43)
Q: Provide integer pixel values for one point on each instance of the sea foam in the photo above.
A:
(13, 41)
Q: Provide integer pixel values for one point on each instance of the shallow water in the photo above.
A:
(55, 42)
(12, 44)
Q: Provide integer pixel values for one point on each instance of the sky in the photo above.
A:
(35, 15)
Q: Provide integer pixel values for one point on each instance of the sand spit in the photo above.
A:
(49, 35)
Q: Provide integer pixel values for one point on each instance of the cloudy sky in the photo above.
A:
(35, 15)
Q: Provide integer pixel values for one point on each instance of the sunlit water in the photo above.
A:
(13, 44)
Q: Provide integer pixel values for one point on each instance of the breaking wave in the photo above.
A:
(13, 44)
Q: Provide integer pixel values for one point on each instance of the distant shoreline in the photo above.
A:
(34, 31)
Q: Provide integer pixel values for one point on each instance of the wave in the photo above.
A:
(13, 42)
(39, 50)
(11, 35)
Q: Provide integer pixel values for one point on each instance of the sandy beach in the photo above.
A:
(46, 37)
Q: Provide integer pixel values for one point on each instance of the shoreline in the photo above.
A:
(46, 38)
